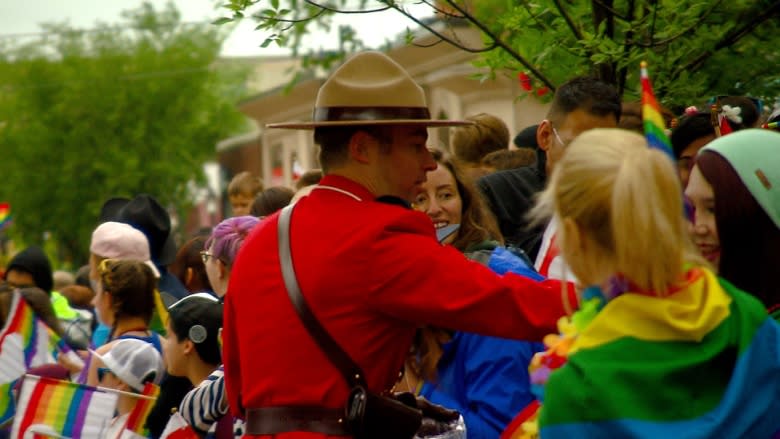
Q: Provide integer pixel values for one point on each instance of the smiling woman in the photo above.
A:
(734, 189)
(448, 197)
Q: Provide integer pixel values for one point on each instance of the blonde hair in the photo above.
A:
(626, 200)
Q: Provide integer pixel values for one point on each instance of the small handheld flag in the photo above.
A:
(651, 116)
(64, 408)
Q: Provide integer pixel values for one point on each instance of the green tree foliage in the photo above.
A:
(114, 111)
(695, 48)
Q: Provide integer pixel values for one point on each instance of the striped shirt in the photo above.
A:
(204, 405)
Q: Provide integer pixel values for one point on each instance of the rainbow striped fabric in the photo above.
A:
(651, 117)
(25, 342)
(5, 215)
(702, 362)
(136, 420)
(54, 408)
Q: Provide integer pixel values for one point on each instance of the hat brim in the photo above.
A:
(346, 123)
(110, 209)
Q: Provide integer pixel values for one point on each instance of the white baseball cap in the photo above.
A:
(133, 361)
(121, 241)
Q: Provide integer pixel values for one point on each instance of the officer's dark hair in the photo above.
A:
(592, 95)
(691, 127)
(334, 141)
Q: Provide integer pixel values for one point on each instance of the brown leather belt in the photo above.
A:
(275, 420)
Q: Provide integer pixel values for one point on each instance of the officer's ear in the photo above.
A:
(360, 147)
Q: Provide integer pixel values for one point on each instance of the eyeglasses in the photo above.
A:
(102, 371)
(558, 137)
(204, 255)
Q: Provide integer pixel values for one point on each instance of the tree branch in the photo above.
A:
(577, 32)
(615, 13)
(546, 28)
(501, 44)
(436, 43)
(443, 37)
(258, 16)
(731, 37)
(685, 32)
(345, 11)
(623, 74)
(441, 11)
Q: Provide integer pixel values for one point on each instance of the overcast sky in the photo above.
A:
(19, 17)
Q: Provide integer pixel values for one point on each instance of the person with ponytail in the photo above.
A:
(124, 301)
(660, 346)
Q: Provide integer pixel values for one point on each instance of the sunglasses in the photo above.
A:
(102, 371)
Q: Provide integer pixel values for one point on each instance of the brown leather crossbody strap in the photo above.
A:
(351, 371)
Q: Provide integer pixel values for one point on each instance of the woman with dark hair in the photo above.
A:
(735, 190)
(484, 378)
(188, 266)
(270, 200)
(449, 185)
(205, 407)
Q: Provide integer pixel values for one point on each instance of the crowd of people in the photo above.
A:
(575, 283)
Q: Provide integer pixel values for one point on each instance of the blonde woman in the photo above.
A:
(660, 347)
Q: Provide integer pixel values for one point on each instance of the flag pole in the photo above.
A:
(107, 390)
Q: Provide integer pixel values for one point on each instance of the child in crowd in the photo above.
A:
(242, 190)
(192, 350)
(127, 366)
(124, 302)
(660, 346)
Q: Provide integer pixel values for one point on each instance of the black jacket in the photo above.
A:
(511, 194)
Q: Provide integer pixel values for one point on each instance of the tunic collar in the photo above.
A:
(349, 188)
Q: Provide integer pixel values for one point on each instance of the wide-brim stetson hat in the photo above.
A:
(370, 89)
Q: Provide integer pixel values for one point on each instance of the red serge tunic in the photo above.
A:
(372, 273)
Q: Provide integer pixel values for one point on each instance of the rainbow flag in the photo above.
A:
(701, 362)
(651, 117)
(136, 421)
(61, 408)
(25, 342)
(5, 215)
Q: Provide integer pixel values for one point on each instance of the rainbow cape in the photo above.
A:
(702, 362)
(651, 116)
(60, 408)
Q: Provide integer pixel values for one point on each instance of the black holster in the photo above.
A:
(372, 416)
